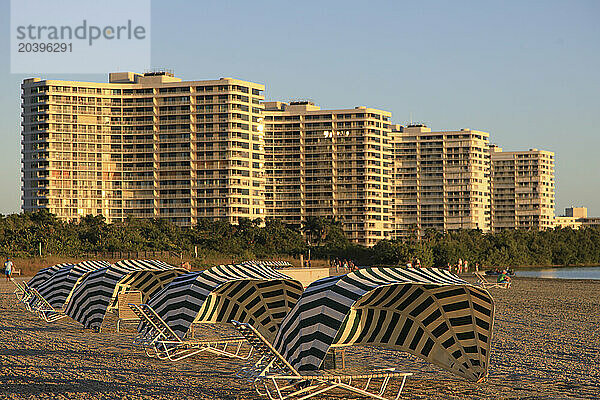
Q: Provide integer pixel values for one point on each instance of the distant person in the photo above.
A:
(8, 267)
(418, 263)
(503, 277)
(460, 265)
(476, 267)
(466, 266)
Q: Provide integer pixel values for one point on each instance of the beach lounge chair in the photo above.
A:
(20, 290)
(161, 342)
(274, 370)
(43, 309)
(28, 299)
(484, 283)
(124, 312)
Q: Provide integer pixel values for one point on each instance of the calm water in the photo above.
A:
(562, 273)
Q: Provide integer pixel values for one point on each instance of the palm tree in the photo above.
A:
(314, 228)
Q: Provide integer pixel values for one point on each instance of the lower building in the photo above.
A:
(590, 222)
(575, 218)
(567, 222)
(576, 212)
(522, 189)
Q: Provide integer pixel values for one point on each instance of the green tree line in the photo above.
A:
(22, 234)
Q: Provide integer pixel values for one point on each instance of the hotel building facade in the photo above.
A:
(143, 145)
(441, 180)
(330, 163)
(522, 189)
(153, 146)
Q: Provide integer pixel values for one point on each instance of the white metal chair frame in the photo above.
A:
(484, 283)
(24, 294)
(272, 369)
(30, 300)
(43, 309)
(161, 342)
(20, 291)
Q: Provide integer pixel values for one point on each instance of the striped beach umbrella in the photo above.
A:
(43, 274)
(93, 296)
(429, 313)
(270, 263)
(57, 289)
(147, 282)
(249, 292)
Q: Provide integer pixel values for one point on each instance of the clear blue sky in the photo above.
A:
(528, 72)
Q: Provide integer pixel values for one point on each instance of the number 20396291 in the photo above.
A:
(24, 47)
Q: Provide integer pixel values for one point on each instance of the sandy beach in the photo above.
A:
(546, 346)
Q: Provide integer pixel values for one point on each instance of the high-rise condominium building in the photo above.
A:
(441, 180)
(143, 145)
(153, 146)
(522, 189)
(329, 163)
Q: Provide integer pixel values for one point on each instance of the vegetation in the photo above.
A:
(22, 234)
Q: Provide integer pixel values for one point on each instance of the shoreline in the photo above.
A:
(39, 264)
(550, 266)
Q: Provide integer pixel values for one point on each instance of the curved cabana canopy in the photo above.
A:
(44, 274)
(429, 313)
(245, 292)
(58, 287)
(97, 291)
(270, 263)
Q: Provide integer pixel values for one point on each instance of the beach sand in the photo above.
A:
(546, 346)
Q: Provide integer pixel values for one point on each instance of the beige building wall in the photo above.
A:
(330, 163)
(590, 222)
(575, 218)
(441, 180)
(576, 212)
(143, 145)
(522, 189)
(567, 222)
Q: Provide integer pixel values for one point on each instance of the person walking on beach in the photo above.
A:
(459, 268)
(8, 266)
(186, 265)
(466, 266)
